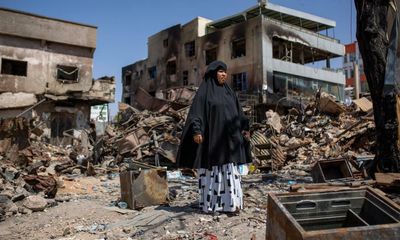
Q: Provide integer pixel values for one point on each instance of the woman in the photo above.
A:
(213, 141)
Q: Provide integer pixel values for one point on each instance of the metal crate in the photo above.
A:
(331, 170)
(346, 214)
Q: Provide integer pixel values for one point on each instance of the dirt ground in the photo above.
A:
(85, 208)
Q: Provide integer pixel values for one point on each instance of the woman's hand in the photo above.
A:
(246, 135)
(198, 138)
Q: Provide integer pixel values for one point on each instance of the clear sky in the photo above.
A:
(125, 25)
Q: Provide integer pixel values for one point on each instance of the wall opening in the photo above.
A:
(128, 79)
(190, 49)
(211, 55)
(67, 74)
(14, 67)
(171, 67)
(127, 100)
(238, 48)
(292, 86)
(239, 81)
(61, 122)
(299, 53)
(185, 78)
(152, 72)
(165, 42)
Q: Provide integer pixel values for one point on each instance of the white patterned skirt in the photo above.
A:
(220, 189)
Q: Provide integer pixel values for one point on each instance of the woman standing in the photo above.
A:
(213, 142)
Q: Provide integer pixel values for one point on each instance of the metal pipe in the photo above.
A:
(30, 108)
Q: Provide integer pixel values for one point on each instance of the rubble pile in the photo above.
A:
(292, 143)
(144, 139)
(30, 166)
(286, 145)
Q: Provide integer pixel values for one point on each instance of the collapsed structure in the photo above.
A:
(270, 51)
(46, 65)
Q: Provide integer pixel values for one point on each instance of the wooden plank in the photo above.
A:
(388, 179)
(364, 104)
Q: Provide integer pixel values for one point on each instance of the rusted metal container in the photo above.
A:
(144, 188)
(331, 170)
(347, 214)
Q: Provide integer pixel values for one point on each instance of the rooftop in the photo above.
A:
(44, 17)
(305, 20)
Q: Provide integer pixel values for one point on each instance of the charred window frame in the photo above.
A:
(238, 48)
(128, 79)
(152, 72)
(67, 74)
(279, 83)
(171, 68)
(14, 67)
(190, 49)
(211, 55)
(127, 100)
(165, 42)
(185, 78)
(239, 81)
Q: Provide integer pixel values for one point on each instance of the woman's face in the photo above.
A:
(221, 76)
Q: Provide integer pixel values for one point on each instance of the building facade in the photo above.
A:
(351, 57)
(268, 48)
(46, 67)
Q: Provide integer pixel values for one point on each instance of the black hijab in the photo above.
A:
(216, 115)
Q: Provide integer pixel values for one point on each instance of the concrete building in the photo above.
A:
(351, 57)
(269, 49)
(46, 67)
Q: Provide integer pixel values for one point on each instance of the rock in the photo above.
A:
(51, 202)
(13, 208)
(103, 178)
(4, 201)
(293, 142)
(127, 230)
(8, 193)
(67, 231)
(80, 228)
(10, 174)
(2, 215)
(76, 171)
(18, 197)
(24, 210)
(35, 203)
(283, 139)
(23, 191)
(63, 198)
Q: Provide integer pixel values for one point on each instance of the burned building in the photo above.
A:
(46, 70)
(269, 49)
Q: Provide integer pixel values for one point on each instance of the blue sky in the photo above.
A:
(125, 25)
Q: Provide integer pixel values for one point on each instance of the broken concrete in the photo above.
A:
(17, 100)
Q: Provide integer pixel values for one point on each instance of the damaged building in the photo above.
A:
(46, 71)
(271, 51)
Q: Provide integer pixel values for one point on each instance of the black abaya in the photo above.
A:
(216, 115)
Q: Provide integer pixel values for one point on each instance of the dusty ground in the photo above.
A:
(86, 210)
